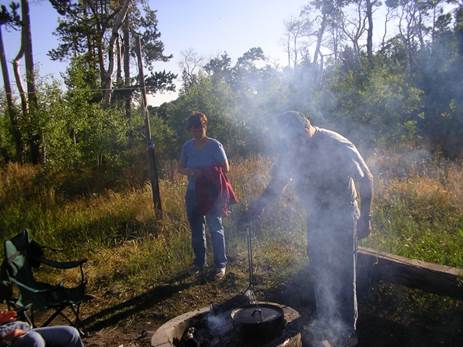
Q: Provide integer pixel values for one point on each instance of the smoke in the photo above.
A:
(373, 110)
(320, 179)
(218, 324)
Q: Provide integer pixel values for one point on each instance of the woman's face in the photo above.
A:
(198, 131)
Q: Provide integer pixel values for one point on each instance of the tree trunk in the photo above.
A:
(288, 48)
(19, 83)
(370, 29)
(118, 63)
(420, 30)
(335, 44)
(107, 83)
(91, 55)
(387, 18)
(320, 34)
(295, 47)
(126, 49)
(35, 134)
(100, 54)
(9, 103)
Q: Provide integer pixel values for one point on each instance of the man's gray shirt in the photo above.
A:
(323, 174)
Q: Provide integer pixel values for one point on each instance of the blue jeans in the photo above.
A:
(198, 233)
(58, 336)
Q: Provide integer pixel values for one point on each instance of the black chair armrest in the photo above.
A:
(29, 288)
(21, 309)
(62, 265)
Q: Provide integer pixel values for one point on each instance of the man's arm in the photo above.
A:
(365, 185)
(274, 189)
(364, 182)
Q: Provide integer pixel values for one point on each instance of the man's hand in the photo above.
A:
(363, 227)
(7, 316)
(252, 213)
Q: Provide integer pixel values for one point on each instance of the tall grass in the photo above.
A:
(418, 209)
(418, 213)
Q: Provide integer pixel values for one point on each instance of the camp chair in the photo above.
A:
(6, 290)
(22, 255)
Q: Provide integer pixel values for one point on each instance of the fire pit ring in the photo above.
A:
(173, 330)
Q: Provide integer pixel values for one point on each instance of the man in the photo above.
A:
(324, 166)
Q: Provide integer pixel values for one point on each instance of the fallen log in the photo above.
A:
(429, 277)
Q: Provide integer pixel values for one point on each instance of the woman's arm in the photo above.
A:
(226, 166)
(181, 165)
(185, 171)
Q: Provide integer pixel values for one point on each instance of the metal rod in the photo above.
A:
(250, 263)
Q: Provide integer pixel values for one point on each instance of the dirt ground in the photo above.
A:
(388, 316)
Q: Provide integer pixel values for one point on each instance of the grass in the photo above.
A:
(418, 213)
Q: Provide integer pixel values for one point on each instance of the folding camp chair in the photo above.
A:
(22, 255)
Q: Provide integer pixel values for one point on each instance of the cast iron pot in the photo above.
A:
(259, 321)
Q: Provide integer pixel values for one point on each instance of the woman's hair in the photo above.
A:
(197, 119)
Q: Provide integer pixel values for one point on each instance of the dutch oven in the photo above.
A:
(258, 321)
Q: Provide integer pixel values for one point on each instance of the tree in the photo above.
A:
(369, 14)
(412, 28)
(119, 18)
(10, 19)
(296, 28)
(219, 67)
(29, 103)
(35, 137)
(190, 65)
(92, 28)
(355, 28)
(326, 9)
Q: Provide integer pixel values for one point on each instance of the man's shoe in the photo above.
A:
(195, 270)
(219, 273)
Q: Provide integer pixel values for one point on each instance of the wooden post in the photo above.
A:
(153, 173)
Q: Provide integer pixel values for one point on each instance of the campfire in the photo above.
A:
(232, 324)
(240, 322)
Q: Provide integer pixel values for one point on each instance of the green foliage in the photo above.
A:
(440, 77)
(211, 97)
(77, 131)
(376, 105)
(7, 150)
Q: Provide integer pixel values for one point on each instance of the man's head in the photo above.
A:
(292, 129)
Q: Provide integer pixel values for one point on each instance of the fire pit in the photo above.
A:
(231, 325)
(239, 322)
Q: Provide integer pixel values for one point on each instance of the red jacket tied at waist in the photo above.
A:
(214, 192)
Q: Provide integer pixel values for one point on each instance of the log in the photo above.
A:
(429, 277)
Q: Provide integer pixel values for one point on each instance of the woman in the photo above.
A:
(20, 334)
(200, 156)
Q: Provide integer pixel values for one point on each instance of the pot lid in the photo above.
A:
(257, 314)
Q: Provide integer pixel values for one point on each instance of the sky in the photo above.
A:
(209, 27)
